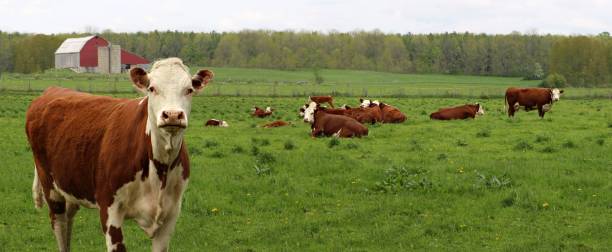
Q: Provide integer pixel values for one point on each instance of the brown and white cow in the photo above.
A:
(322, 99)
(125, 157)
(459, 112)
(531, 98)
(323, 123)
(275, 124)
(389, 114)
(258, 112)
(216, 123)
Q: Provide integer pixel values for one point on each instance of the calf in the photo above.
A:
(530, 98)
(459, 112)
(216, 123)
(323, 123)
(275, 124)
(257, 112)
(322, 99)
(125, 157)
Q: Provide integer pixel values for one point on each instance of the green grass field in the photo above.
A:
(264, 82)
(490, 184)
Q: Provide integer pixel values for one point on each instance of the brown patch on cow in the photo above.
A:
(529, 98)
(139, 77)
(323, 99)
(459, 112)
(202, 78)
(275, 124)
(261, 113)
(115, 234)
(391, 114)
(370, 114)
(213, 122)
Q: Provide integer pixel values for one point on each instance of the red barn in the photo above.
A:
(95, 54)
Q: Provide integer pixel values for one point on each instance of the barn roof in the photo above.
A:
(73, 45)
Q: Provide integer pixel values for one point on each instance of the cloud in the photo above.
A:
(488, 16)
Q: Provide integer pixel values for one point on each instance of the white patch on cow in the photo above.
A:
(309, 112)
(344, 106)
(337, 134)
(268, 109)
(37, 193)
(480, 111)
(71, 198)
(555, 94)
(365, 103)
(546, 107)
(376, 102)
(224, 124)
(517, 106)
(253, 109)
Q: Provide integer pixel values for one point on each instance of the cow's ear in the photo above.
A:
(561, 91)
(382, 105)
(201, 79)
(139, 78)
(360, 100)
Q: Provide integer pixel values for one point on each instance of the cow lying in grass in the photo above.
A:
(275, 124)
(256, 111)
(389, 114)
(323, 123)
(459, 112)
(216, 123)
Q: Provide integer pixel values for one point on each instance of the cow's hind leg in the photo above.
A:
(111, 218)
(71, 210)
(37, 191)
(59, 219)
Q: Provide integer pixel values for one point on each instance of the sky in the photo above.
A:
(392, 16)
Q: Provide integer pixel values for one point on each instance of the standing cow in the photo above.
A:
(125, 157)
(531, 98)
(322, 99)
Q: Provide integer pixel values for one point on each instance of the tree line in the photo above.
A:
(581, 60)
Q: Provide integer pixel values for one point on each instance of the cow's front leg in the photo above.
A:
(111, 218)
(540, 111)
(161, 238)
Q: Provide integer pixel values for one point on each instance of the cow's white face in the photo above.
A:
(480, 110)
(555, 94)
(309, 112)
(224, 124)
(169, 90)
(268, 109)
(302, 109)
(364, 103)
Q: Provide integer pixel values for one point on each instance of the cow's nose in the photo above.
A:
(172, 116)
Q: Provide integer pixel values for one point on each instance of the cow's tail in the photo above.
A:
(37, 193)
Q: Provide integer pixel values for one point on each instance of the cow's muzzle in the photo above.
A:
(173, 119)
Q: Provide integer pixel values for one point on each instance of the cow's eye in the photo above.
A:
(151, 90)
(189, 91)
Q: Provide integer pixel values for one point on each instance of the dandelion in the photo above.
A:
(545, 205)
(215, 210)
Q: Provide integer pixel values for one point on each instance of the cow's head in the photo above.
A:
(268, 109)
(309, 112)
(364, 103)
(169, 90)
(302, 109)
(555, 94)
(479, 109)
(224, 124)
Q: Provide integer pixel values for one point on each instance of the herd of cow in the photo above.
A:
(349, 122)
(127, 157)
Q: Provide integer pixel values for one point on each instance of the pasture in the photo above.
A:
(487, 184)
(241, 82)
